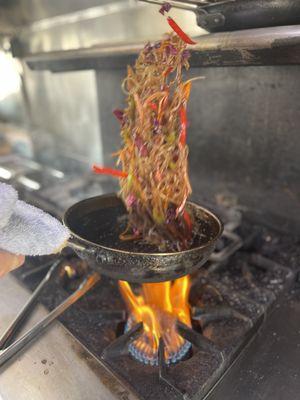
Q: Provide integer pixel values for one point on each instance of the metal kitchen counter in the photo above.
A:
(56, 366)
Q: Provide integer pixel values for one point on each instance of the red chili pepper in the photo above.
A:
(168, 71)
(118, 114)
(187, 219)
(109, 171)
(176, 28)
(183, 122)
(153, 106)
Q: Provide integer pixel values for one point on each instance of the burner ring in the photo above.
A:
(153, 361)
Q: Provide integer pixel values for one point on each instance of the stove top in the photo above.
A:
(231, 297)
(252, 271)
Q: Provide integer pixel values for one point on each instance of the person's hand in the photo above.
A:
(9, 261)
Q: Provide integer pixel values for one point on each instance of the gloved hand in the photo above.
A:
(9, 261)
(26, 230)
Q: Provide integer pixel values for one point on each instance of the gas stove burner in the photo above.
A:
(142, 351)
(173, 359)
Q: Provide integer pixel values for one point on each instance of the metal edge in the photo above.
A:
(244, 42)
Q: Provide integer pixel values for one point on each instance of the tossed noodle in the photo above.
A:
(155, 184)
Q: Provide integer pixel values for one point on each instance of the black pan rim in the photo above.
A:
(132, 253)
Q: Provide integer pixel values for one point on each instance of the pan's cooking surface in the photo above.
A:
(101, 223)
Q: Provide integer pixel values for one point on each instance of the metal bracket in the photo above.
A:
(234, 245)
(120, 346)
(163, 371)
(197, 340)
(209, 21)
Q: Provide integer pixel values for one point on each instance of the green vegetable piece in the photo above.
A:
(172, 165)
(171, 138)
(129, 180)
(158, 217)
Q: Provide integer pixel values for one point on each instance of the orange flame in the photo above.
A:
(159, 306)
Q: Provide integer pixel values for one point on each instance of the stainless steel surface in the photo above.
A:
(117, 22)
(264, 46)
(250, 39)
(39, 328)
(56, 366)
(64, 117)
(13, 328)
(177, 4)
(190, 5)
(11, 101)
(20, 13)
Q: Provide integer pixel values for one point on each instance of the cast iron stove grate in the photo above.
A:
(229, 300)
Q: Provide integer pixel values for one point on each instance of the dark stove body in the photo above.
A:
(252, 272)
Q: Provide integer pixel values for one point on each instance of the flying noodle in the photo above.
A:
(154, 154)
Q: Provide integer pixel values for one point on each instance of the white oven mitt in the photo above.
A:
(27, 230)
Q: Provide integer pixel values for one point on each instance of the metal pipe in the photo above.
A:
(183, 5)
(10, 332)
(189, 5)
(276, 45)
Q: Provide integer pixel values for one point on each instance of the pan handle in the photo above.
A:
(73, 244)
(76, 246)
(98, 255)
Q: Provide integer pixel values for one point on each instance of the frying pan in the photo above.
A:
(96, 223)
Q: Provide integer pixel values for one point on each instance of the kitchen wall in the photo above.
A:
(11, 98)
(243, 136)
(62, 108)
(64, 115)
(244, 121)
